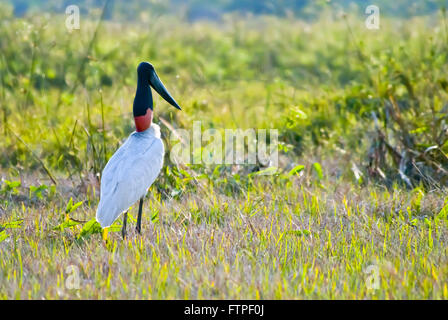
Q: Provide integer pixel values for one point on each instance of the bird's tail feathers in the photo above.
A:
(106, 215)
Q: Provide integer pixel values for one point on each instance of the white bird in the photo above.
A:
(136, 164)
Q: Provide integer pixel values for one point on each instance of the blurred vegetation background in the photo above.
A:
(197, 9)
(374, 100)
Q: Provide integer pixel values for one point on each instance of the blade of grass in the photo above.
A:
(50, 175)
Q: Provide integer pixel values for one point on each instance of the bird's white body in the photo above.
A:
(129, 173)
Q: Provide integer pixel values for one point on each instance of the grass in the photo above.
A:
(334, 211)
(304, 241)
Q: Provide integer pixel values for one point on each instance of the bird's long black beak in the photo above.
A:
(157, 85)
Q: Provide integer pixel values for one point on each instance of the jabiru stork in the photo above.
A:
(136, 164)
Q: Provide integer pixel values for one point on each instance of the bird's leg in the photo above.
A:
(123, 229)
(139, 219)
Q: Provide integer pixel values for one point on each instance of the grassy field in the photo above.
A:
(359, 197)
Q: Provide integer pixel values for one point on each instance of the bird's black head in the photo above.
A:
(144, 69)
(147, 77)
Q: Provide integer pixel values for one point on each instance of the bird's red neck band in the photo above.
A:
(143, 122)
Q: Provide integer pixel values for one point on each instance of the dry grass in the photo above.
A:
(281, 238)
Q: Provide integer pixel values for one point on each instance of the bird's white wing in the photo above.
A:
(127, 176)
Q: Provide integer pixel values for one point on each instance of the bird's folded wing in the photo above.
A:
(126, 179)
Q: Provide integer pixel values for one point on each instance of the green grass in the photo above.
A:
(311, 232)
(301, 241)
